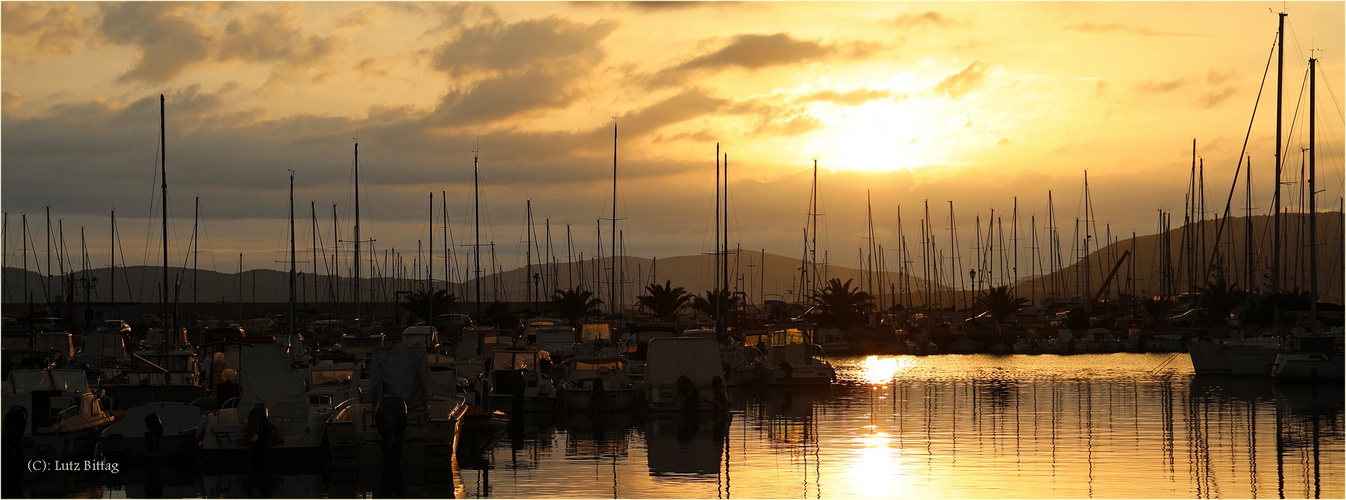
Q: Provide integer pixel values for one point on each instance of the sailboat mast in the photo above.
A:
(476, 216)
(293, 332)
(356, 263)
(1313, 225)
(112, 263)
(1276, 197)
(163, 163)
(612, 273)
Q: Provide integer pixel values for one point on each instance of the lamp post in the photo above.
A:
(88, 284)
(972, 274)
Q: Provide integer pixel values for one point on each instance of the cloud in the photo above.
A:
(760, 51)
(548, 43)
(275, 37)
(853, 98)
(32, 30)
(793, 126)
(1119, 29)
(1216, 97)
(962, 82)
(681, 107)
(1156, 87)
(168, 39)
(510, 95)
(10, 102)
(930, 18)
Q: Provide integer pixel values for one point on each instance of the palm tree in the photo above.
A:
(1221, 298)
(1000, 302)
(841, 305)
(706, 304)
(1157, 308)
(664, 301)
(425, 303)
(574, 305)
(500, 316)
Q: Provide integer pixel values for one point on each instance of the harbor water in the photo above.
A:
(948, 426)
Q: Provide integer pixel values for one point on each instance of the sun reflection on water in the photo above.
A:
(873, 470)
(876, 371)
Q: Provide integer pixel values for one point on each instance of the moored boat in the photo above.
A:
(52, 413)
(597, 383)
(153, 431)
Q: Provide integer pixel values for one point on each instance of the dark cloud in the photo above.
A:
(510, 95)
(32, 30)
(548, 44)
(531, 65)
(168, 39)
(760, 51)
(681, 107)
(962, 82)
(1118, 29)
(273, 37)
(853, 98)
(928, 18)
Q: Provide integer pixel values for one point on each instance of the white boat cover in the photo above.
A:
(671, 357)
(265, 376)
(400, 370)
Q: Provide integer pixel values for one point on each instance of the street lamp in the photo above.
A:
(88, 284)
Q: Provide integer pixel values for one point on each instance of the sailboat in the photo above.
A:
(166, 367)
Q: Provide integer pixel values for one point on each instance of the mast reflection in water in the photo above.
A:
(1102, 426)
(975, 426)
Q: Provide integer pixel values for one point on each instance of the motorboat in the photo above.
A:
(597, 383)
(685, 374)
(332, 383)
(53, 413)
(405, 419)
(157, 430)
(166, 368)
(518, 381)
(271, 420)
(789, 357)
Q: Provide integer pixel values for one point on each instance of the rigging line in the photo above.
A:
(1219, 227)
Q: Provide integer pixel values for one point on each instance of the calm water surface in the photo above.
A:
(974, 426)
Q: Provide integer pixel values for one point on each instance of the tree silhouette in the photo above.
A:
(1000, 302)
(1221, 298)
(1157, 308)
(427, 304)
(574, 305)
(842, 306)
(706, 303)
(664, 301)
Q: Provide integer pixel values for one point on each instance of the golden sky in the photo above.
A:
(971, 102)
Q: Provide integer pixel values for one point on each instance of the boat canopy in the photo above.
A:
(698, 358)
(25, 381)
(265, 376)
(400, 370)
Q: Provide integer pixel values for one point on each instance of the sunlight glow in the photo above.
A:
(874, 470)
(878, 371)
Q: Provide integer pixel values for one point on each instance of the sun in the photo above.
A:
(883, 135)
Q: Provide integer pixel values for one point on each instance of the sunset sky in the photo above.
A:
(974, 103)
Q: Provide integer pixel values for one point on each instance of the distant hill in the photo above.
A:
(771, 276)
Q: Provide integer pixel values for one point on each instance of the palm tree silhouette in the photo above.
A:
(425, 303)
(1000, 302)
(574, 305)
(706, 304)
(664, 301)
(841, 305)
